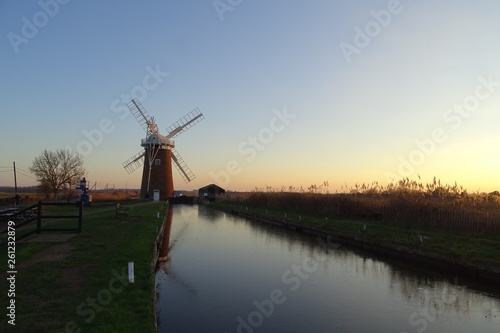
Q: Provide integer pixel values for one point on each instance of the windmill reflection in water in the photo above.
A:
(164, 260)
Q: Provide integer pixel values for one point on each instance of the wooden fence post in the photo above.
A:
(39, 218)
(80, 217)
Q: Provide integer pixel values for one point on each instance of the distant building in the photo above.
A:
(184, 197)
(184, 193)
(209, 192)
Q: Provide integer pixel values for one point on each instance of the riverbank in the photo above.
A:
(475, 255)
(81, 284)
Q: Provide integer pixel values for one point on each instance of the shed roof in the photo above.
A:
(212, 185)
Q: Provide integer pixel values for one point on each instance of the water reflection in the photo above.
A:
(164, 259)
(228, 273)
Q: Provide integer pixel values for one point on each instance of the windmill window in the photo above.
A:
(157, 161)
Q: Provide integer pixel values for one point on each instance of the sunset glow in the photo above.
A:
(293, 93)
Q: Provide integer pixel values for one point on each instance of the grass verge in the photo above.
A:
(82, 285)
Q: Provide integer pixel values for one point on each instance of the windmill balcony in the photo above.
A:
(157, 140)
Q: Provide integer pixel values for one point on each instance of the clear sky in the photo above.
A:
(294, 92)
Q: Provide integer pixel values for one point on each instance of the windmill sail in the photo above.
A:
(134, 162)
(186, 122)
(182, 167)
(143, 118)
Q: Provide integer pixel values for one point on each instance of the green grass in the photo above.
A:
(53, 294)
(472, 247)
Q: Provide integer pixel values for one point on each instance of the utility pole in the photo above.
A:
(16, 199)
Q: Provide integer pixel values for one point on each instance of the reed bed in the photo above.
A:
(405, 203)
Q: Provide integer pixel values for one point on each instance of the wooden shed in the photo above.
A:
(209, 192)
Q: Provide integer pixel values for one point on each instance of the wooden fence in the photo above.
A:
(40, 217)
(35, 213)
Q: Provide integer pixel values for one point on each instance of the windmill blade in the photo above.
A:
(182, 167)
(184, 123)
(134, 162)
(143, 118)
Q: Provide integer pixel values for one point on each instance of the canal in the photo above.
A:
(222, 273)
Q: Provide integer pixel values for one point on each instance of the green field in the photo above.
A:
(81, 285)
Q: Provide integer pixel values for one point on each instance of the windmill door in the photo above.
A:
(156, 195)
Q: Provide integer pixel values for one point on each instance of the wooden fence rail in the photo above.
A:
(40, 216)
(28, 216)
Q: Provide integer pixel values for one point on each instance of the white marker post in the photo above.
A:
(131, 272)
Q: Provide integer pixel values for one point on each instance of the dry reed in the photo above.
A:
(406, 202)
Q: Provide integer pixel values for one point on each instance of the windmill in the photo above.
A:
(159, 152)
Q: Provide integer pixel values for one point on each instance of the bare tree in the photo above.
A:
(58, 170)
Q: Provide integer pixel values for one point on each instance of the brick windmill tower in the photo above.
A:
(159, 153)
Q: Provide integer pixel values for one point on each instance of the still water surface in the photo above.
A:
(228, 274)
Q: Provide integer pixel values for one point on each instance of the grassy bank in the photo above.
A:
(474, 249)
(81, 285)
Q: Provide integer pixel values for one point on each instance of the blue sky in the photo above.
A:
(294, 93)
